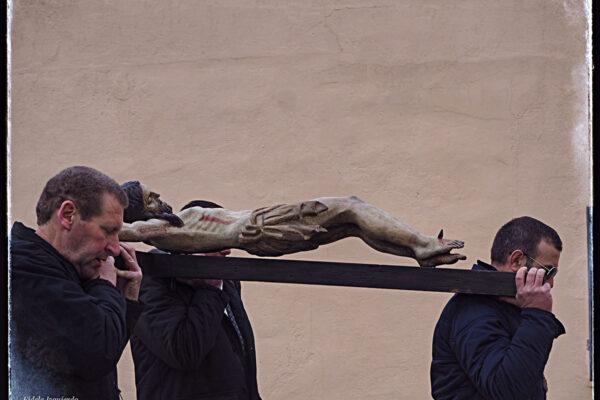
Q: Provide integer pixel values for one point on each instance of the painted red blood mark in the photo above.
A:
(213, 219)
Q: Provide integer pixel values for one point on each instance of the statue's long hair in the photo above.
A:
(135, 211)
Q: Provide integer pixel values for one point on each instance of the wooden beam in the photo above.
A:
(328, 273)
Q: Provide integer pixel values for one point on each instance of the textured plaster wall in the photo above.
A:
(448, 114)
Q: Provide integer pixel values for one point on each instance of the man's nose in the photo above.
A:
(112, 246)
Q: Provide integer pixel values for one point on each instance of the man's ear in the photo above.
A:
(66, 214)
(516, 260)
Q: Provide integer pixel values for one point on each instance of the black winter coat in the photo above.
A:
(66, 335)
(184, 347)
(485, 348)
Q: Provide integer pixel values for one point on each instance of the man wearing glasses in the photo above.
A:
(486, 347)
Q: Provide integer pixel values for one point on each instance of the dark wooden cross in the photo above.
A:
(329, 273)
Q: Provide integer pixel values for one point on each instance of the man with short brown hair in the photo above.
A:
(71, 310)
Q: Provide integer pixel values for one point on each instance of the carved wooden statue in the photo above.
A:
(277, 230)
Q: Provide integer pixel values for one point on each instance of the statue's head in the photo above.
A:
(142, 200)
(152, 201)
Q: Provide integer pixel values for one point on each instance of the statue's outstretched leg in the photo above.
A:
(386, 233)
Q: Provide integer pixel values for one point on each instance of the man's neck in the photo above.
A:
(500, 267)
(52, 235)
(47, 233)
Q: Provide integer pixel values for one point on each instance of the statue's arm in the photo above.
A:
(145, 215)
(140, 231)
(172, 219)
(205, 230)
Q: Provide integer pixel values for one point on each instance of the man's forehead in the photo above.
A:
(111, 205)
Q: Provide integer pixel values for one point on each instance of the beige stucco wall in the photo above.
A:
(448, 114)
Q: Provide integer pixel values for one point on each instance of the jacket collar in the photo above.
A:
(483, 266)
(21, 232)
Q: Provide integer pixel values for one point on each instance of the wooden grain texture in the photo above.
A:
(329, 273)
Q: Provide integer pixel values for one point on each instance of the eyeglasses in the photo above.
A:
(551, 271)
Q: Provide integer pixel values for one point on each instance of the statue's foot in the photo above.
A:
(449, 244)
(441, 259)
(437, 246)
(438, 250)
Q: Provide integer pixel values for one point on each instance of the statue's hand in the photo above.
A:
(171, 218)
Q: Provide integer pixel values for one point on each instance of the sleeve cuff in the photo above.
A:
(89, 284)
(547, 318)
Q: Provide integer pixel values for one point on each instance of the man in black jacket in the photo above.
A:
(486, 347)
(71, 310)
(194, 339)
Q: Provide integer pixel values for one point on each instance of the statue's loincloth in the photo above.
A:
(282, 229)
